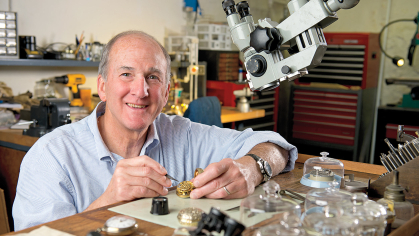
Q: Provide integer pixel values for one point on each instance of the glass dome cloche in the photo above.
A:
(320, 171)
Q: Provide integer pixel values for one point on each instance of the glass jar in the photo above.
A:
(332, 221)
(44, 89)
(371, 215)
(317, 199)
(277, 229)
(269, 208)
(320, 171)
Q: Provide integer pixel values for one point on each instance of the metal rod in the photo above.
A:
(409, 155)
(392, 161)
(385, 163)
(416, 145)
(405, 155)
(394, 152)
(412, 149)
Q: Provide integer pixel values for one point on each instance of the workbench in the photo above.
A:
(14, 145)
(82, 223)
(231, 114)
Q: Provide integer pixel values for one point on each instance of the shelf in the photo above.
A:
(45, 62)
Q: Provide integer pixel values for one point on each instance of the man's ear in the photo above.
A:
(101, 88)
(167, 92)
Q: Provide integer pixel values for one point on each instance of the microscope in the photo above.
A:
(301, 35)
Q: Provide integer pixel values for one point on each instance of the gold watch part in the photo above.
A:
(184, 189)
(198, 171)
(119, 225)
(190, 216)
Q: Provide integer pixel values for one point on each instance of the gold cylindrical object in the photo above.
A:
(198, 171)
(184, 189)
(190, 216)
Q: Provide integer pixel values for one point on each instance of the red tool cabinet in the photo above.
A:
(338, 118)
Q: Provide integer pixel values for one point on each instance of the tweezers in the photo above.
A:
(170, 177)
(292, 194)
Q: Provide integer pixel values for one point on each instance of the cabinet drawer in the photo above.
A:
(323, 116)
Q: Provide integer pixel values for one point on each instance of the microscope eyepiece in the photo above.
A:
(229, 7)
(243, 9)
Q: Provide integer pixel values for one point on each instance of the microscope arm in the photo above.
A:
(302, 30)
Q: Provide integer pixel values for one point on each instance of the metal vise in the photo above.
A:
(50, 114)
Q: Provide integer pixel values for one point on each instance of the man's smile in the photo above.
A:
(136, 106)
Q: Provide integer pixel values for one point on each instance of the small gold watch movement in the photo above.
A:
(184, 189)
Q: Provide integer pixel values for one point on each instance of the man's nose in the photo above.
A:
(140, 87)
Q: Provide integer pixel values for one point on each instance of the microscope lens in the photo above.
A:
(243, 9)
(229, 7)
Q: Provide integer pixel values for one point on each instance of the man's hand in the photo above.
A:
(239, 177)
(133, 178)
(233, 175)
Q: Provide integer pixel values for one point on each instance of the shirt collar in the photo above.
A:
(152, 139)
(102, 149)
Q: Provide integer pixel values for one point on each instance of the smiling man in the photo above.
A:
(124, 149)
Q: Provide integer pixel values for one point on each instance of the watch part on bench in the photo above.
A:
(184, 189)
(189, 216)
(320, 171)
(119, 225)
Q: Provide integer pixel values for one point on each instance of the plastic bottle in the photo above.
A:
(240, 74)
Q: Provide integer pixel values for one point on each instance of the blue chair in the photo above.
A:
(205, 110)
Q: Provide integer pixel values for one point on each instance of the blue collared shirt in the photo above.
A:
(69, 168)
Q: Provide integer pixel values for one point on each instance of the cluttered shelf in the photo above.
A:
(46, 62)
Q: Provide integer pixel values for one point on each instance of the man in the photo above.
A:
(124, 149)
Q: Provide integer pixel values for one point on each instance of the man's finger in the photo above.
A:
(213, 171)
(141, 192)
(149, 183)
(144, 161)
(211, 186)
(231, 191)
(133, 174)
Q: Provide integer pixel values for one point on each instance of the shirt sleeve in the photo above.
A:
(44, 191)
(211, 144)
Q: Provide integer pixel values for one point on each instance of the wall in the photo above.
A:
(371, 16)
(100, 20)
(59, 21)
(398, 41)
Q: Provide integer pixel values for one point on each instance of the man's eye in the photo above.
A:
(153, 77)
(125, 74)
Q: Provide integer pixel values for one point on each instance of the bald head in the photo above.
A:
(104, 62)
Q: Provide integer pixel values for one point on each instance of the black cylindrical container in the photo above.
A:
(26, 42)
(160, 206)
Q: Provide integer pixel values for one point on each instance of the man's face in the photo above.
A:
(136, 89)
